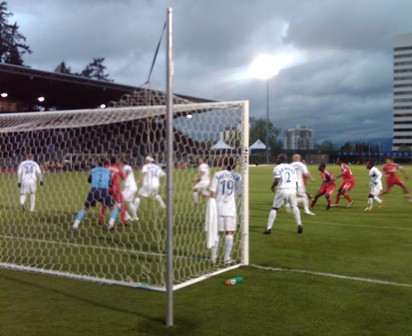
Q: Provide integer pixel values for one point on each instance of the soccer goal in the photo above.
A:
(67, 143)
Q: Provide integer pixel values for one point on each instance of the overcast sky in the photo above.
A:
(335, 55)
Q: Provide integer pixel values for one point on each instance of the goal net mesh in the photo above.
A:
(67, 143)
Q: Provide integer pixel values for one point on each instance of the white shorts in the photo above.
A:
(129, 193)
(149, 191)
(201, 186)
(285, 196)
(226, 223)
(375, 189)
(28, 187)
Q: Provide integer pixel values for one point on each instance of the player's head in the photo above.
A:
(370, 164)
(148, 159)
(29, 156)
(321, 166)
(200, 160)
(282, 158)
(296, 158)
(229, 163)
(389, 159)
(113, 160)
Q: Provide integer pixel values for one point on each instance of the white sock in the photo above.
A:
(370, 202)
(271, 219)
(137, 203)
(304, 200)
(377, 199)
(195, 197)
(296, 214)
(32, 201)
(228, 246)
(133, 209)
(22, 199)
(160, 200)
(213, 252)
(76, 224)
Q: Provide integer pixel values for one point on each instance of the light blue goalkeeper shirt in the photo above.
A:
(100, 178)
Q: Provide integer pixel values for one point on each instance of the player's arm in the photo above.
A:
(274, 184)
(19, 174)
(39, 174)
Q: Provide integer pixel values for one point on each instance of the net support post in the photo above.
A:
(169, 169)
(245, 179)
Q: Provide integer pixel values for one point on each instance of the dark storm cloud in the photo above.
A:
(338, 78)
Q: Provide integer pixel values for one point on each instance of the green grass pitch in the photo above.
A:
(349, 273)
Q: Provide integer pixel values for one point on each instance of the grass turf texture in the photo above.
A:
(348, 242)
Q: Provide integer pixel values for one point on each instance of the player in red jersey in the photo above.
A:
(115, 190)
(389, 170)
(348, 181)
(326, 188)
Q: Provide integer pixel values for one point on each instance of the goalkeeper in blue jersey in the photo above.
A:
(100, 181)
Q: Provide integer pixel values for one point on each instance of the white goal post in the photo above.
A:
(67, 143)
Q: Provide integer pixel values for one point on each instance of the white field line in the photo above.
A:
(331, 275)
(376, 227)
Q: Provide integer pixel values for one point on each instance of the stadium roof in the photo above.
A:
(24, 86)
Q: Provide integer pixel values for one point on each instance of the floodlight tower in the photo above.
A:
(265, 67)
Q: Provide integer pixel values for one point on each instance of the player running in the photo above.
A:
(326, 188)
(150, 178)
(129, 191)
(375, 184)
(347, 183)
(286, 183)
(201, 180)
(389, 169)
(303, 174)
(27, 175)
(100, 180)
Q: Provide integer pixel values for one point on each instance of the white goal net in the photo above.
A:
(66, 144)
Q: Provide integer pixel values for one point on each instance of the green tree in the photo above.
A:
(348, 146)
(12, 42)
(63, 68)
(327, 146)
(96, 70)
(258, 131)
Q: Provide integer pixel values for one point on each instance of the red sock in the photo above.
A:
(346, 195)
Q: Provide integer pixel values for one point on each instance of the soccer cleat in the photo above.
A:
(23, 209)
(334, 205)
(73, 227)
(368, 209)
(135, 219)
(380, 204)
(328, 207)
(229, 261)
(350, 204)
(267, 231)
(310, 213)
(111, 228)
(300, 229)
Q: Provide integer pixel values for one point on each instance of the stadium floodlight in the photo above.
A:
(265, 67)
(41, 99)
(4, 94)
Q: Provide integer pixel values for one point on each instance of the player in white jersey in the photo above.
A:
(150, 178)
(27, 174)
(223, 188)
(302, 174)
(129, 190)
(375, 185)
(201, 180)
(285, 181)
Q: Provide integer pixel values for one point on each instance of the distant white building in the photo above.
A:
(402, 91)
(299, 138)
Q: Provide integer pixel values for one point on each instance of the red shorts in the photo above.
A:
(116, 194)
(347, 184)
(391, 181)
(327, 189)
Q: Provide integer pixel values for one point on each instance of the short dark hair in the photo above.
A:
(113, 160)
(282, 158)
(229, 162)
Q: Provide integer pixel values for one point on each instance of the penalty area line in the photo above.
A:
(332, 275)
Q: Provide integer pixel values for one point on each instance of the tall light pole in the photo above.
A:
(265, 67)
